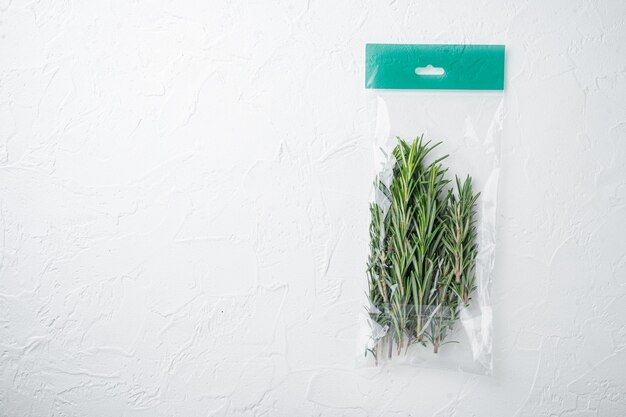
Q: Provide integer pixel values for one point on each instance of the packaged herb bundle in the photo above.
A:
(436, 113)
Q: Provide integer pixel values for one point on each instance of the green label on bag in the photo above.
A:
(434, 67)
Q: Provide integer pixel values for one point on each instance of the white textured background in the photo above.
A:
(183, 209)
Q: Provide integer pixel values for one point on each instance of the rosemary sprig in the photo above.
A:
(460, 239)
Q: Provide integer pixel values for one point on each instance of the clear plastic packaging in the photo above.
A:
(468, 125)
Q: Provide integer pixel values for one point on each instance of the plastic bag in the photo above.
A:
(452, 94)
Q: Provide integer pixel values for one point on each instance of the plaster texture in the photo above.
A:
(183, 209)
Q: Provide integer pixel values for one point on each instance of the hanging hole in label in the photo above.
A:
(429, 70)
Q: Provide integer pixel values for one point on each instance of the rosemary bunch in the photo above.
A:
(418, 269)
